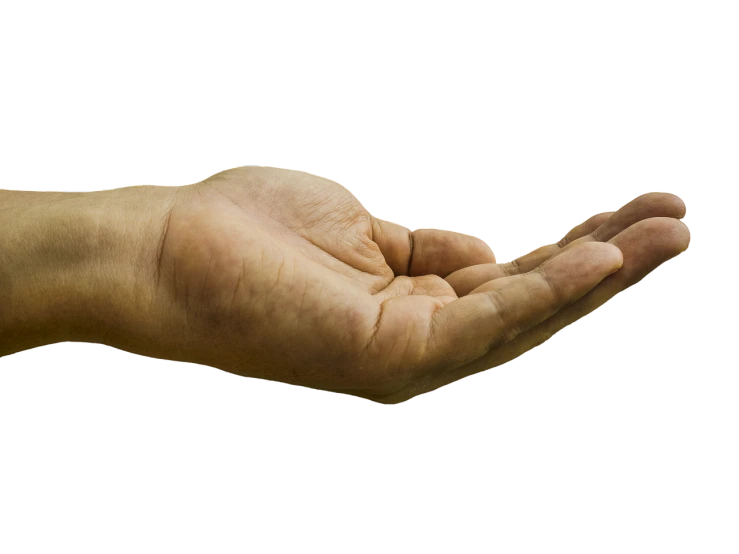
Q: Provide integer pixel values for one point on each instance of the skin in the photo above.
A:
(283, 275)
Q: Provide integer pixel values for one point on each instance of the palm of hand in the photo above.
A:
(284, 275)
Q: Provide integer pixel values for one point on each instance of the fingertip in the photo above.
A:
(676, 203)
(613, 254)
(681, 206)
(604, 255)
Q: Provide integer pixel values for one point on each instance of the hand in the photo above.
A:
(283, 275)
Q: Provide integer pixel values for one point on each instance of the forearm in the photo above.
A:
(75, 266)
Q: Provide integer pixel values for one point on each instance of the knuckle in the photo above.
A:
(515, 266)
(548, 283)
(504, 330)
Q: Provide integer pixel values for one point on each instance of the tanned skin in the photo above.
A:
(283, 275)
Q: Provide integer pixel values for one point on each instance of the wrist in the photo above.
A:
(76, 266)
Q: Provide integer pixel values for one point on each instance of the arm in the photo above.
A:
(71, 263)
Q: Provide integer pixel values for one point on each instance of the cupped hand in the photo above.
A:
(283, 275)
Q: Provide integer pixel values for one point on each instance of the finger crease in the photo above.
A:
(375, 329)
(410, 255)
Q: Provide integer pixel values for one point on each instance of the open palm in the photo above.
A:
(284, 275)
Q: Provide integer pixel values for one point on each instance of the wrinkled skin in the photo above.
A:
(283, 275)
